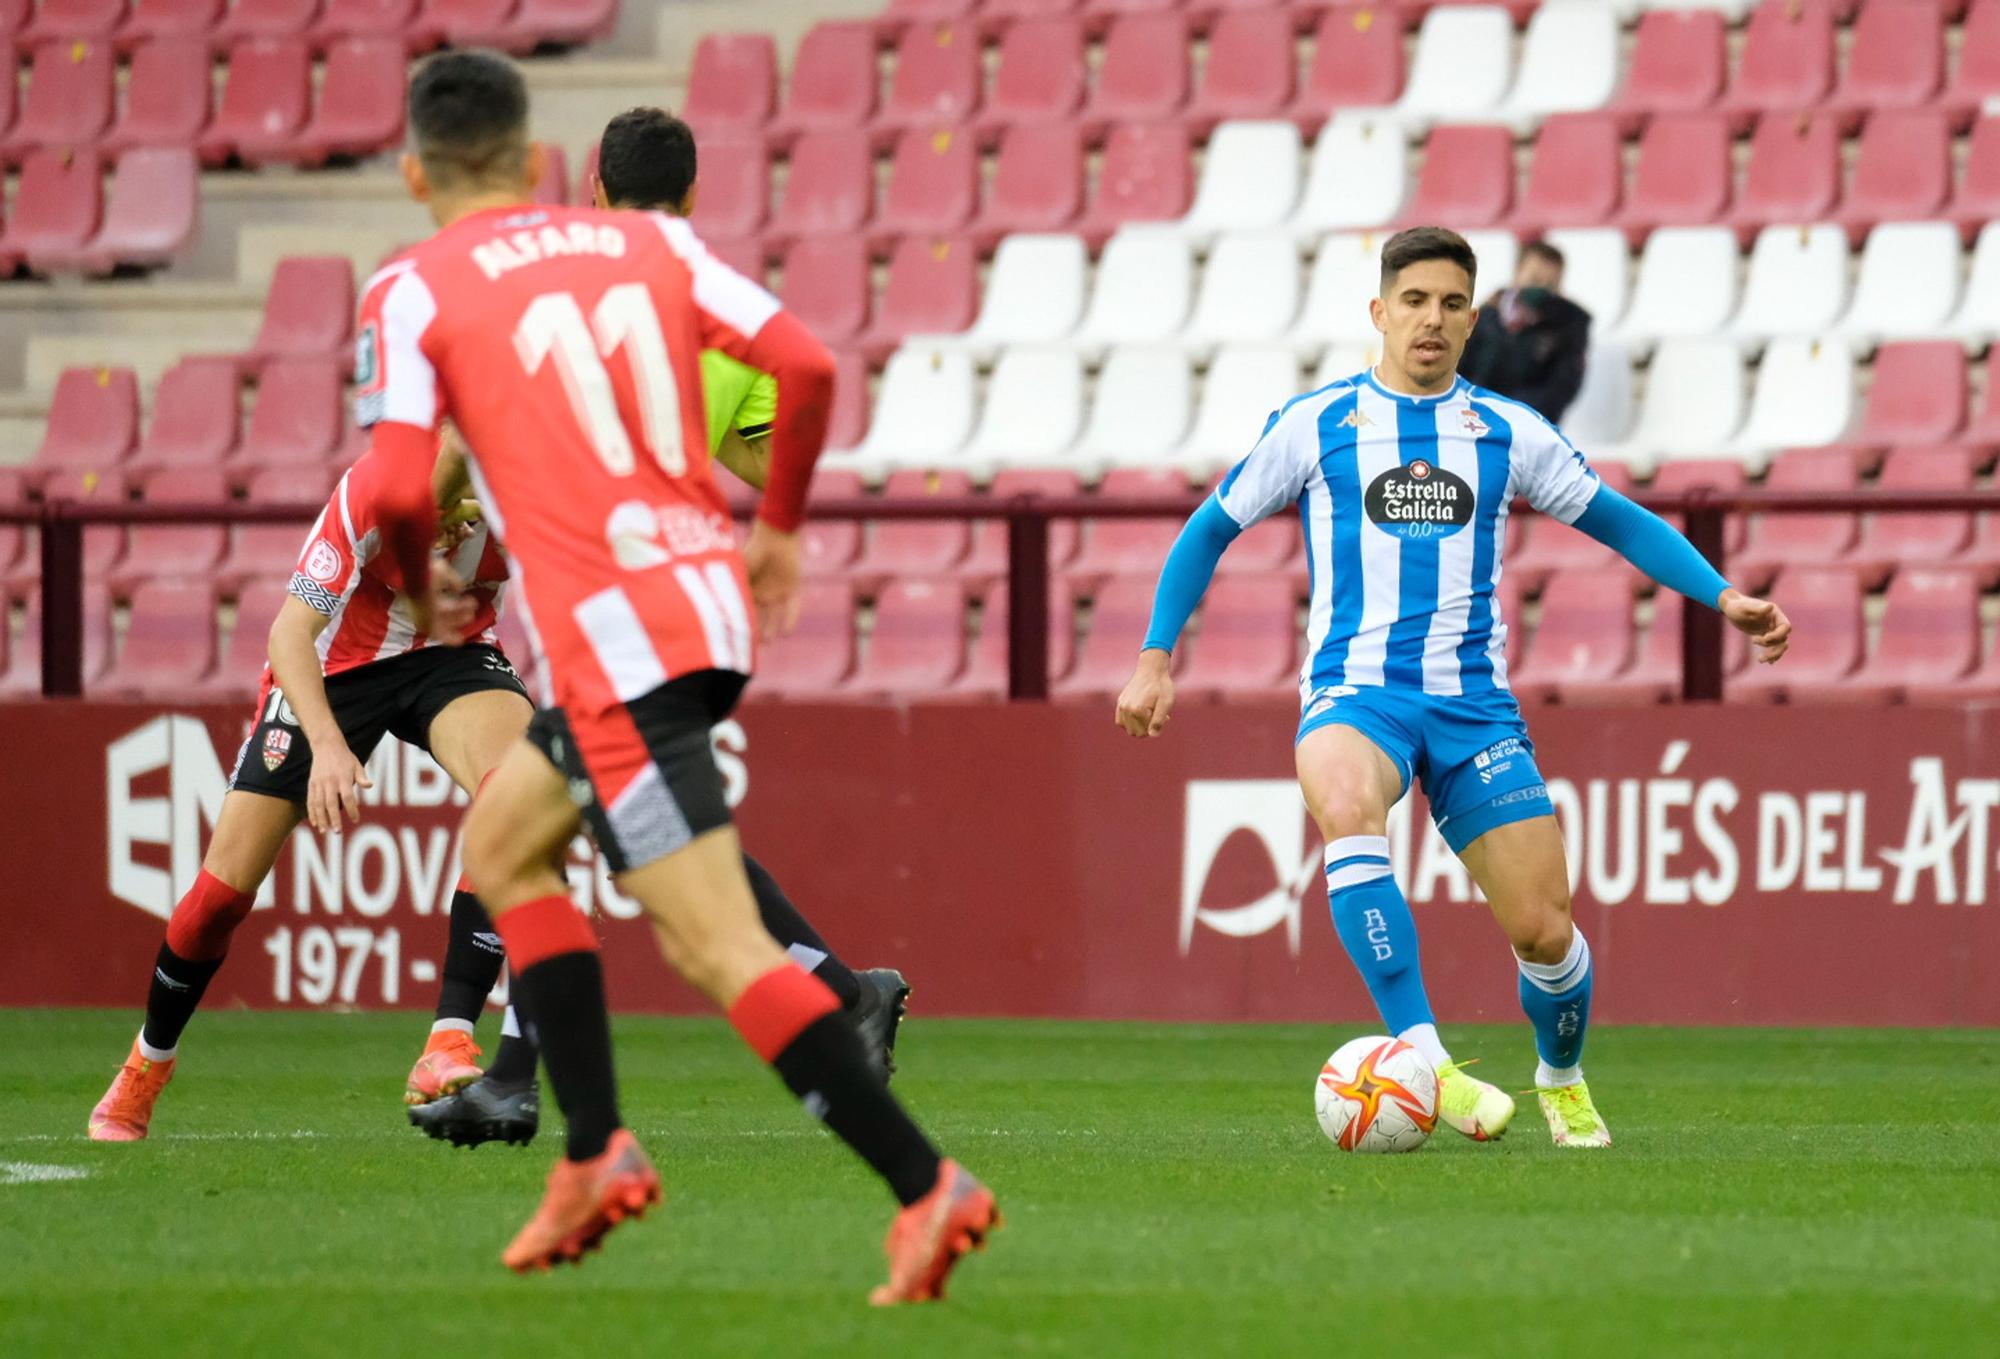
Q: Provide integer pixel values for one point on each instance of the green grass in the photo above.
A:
(1166, 1188)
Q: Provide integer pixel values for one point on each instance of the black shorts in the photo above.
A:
(644, 774)
(398, 697)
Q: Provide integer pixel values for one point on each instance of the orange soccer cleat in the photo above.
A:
(585, 1200)
(928, 1237)
(448, 1065)
(127, 1107)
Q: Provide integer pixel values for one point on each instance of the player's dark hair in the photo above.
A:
(1543, 250)
(646, 160)
(1418, 244)
(469, 118)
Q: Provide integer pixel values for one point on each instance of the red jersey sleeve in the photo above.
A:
(328, 568)
(397, 398)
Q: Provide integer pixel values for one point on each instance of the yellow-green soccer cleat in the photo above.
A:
(1573, 1119)
(1480, 1111)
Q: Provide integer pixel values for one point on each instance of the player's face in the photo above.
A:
(1425, 316)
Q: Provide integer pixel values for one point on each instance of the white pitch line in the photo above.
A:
(177, 1137)
(28, 1172)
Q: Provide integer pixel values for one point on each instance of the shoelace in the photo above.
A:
(1574, 1106)
(1468, 1095)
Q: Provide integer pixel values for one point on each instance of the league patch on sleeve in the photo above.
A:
(322, 561)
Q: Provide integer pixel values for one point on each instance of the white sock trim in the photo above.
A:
(1424, 1038)
(806, 957)
(1556, 978)
(463, 1026)
(1352, 846)
(1555, 1077)
(1361, 859)
(510, 1024)
(153, 1054)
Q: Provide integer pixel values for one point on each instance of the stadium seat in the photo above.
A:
(812, 659)
(985, 674)
(1249, 180)
(1976, 78)
(261, 553)
(1977, 201)
(914, 547)
(830, 546)
(832, 83)
(166, 21)
(1247, 643)
(1718, 475)
(265, 101)
(917, 645)
(1892, 541)
(1797, 284)
(537, 23)
(1679, 64)
(334, 21)
(1141, 410)
(1601, 414)
(933, 187)
(1113, 547)
(194, 418)
(1918, 395)
(1033, 413)
(1793, 176)
(1804, 396)
(167, 96)
(103, 546)
(1977, 317)
(1245, 384)
(732, 84)
(1346, 272)
(1686, 287)
(989, 547)
(1777, 541)
(552, 189)
(1034, 294)
(185, 550)
(1585, 638)
(1037, 182)
(1928, 646)
(1463, 67)
(1908, 284)
(240, 666)
(933, 288)
(150, 217)
(1120, 608)
(1824, 604)
(830, 188)
(937, 80)
(1684, 175)
(361, 100)
(1653, 674)
(1249, 291)
(734, 186)
(1787, 61)
(93, 421)
(923, 413)
(1250, 69)
(1545, 546)
(1358, 177)
(826, 286)
(308, 311)
(1577, 178)
(94, 20)
(1003, 16)
(1596, 272)
(1692, 408)
(1144, 74)
(1498, 252)
(1146, 175)
(1357, 63)
(296, 419)
(68, 103)
(1903, 170)
(1041, 77)
(1144, 290)
(476, 23)
(23, 676)
(1896, 60)
(1467, 177)
(1569, 62)
(58, 202)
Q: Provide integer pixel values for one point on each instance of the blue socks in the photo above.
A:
(1556, 999)
(1378, 933)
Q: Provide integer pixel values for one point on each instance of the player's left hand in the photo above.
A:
(457, 524)
(1762, 620)
(771, 558)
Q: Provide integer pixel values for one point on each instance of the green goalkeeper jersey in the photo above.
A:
(737, 396)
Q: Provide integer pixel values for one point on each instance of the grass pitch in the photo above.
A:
(1166, 1188)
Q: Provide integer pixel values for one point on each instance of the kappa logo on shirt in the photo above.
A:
(1354, 419)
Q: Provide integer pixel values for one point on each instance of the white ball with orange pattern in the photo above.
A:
(1377, 1094)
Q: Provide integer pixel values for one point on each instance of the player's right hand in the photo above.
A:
(335, 787)
(1148, 697)
(771, 558)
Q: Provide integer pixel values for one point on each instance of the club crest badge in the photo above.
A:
(1473, 424)
(277, 745)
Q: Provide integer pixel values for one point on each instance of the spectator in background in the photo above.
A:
(1531, 340)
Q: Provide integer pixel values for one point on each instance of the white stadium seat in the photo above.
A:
(1249, 292)
(1596, 273)
(923, 413)
(1145, 396)
(1601, 414)
(1977, 319)
(1804, 396)
(1797, 284)
(1692, 406)
(1249, 179)
(1908, 286)
(1245, 384)
(1569, 62)
(1735, 11)
(1462, 70)
(1145, 289)
(1344, 361)
(1034, 295)
(1358, 178)
(1346, 272)
(1033, 413)
(1498, 252)
(1686, 287)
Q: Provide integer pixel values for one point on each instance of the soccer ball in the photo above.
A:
(1377, 1094)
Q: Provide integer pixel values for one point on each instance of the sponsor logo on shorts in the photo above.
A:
(1419, 502)
(1323, 700)
(322, 561)
(1540, 790)
(1497, 758)
(277, 745)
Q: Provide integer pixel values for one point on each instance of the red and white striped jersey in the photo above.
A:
(340, 574)
(564, 343)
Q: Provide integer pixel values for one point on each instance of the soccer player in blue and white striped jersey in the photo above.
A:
(1402, 476)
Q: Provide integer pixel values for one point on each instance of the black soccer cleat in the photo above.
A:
(485, 1111)
(884, 994)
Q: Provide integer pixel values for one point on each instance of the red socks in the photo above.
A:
(538, 930)
(778, 1007)
(201, 924)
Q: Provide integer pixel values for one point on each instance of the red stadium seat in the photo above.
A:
(308, 310)
(917, 646)
(240, 667)
(1903, 171)
(1113, 547)
(1120, 609)
(746, 257)
(195, 417)
(733, 85)
(826, 286)
(149, 220)
(341, 19)
(1585, 637)
(167, 98)
(552, 189)
(476, 23)
(985, 674)
(1002, 17)
(1896, 61)
(1041, 75)
(1794, 174)
(1684, 174)
(1547, 547)
(919, 547)
(1824, 604)
(899, 16)
(833, 82)
(191, 550)
(732, 194)
(1037, 182)
(1977, 77)
(848, 424)
(1147, 175)
(169, 642)
(1889, 541)
(1250, 71)
(1654, 675)
(23, 677)
(1679, 64)
(58, 203)
(262, 553)
(987, 561)
(1918, 396)
(1144, 75)
(812, 659)
(297, 418)
(1978, 199)
(68, 104)
(538, 23)
(937, 80)
(69, 19)
(1577, 178)
(1783, 540)
(1468, 177)
(1357, 62)
(361, 100)
(1787, 61)
(93, 421)
(830, 546)
(245, 19)
(103, 545)
(1247, 643)
(265, 102)
(1929, 643)
(933, 288)
(155, 20)
(831, 187)
(933, 187)
(1721, 475)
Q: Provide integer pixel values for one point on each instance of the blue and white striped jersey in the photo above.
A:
(1404, 501)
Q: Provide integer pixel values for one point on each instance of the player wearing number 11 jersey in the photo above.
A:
(564, 342)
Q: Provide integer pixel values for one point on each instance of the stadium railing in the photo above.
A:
(62, 524)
